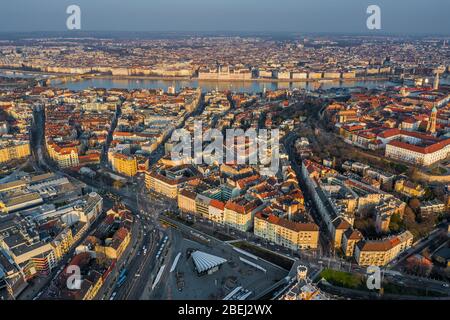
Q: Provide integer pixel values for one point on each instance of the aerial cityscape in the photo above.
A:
(233, 166)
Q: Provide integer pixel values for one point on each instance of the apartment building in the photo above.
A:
(124, 164)
(409, 189)
(118, 222)
(381, 252)
(186, 201)
(91, 282)
(168, 181)
(202, 206)
(349, 240)
(14, 151)
(432, 207)
(25, 246)
(290, 234)
(37, 234)
(160, 184)
(239, 212)
(418, 154)
(65, 157)
(216, 211)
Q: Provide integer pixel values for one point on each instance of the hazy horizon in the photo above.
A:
(400, 17)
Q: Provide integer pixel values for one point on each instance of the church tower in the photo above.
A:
(436, 82)
(432, 121)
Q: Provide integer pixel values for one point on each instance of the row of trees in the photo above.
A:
(418, 225)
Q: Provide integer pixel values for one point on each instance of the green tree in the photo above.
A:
(414, 204)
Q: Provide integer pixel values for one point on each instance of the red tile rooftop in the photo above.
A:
(410, 120)
(352, 128)
(347, 112)
(377, 142)
(217, 204)
(241, 205)
(375, 245)
(367, 135)
(420, 149)
(291, 225)
(242, 183)
(341, 224)
(188, 194)
(396, 131)
(119, 236)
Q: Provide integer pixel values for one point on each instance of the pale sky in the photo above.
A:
(337, 16)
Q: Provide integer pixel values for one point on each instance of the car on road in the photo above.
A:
(180, 281)
(445, 285)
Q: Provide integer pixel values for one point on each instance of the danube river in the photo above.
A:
(236, 86)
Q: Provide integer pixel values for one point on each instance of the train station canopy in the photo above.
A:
(204, 261)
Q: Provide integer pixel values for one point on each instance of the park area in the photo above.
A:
(356, 281)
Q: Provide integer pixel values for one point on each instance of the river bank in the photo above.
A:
(18, 72)
(142, 77)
